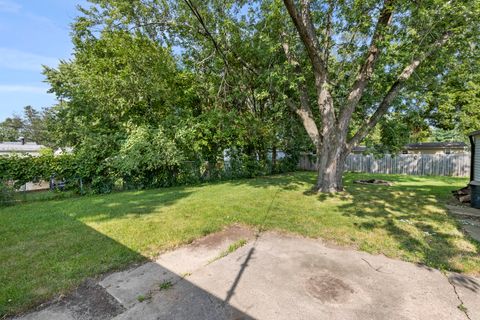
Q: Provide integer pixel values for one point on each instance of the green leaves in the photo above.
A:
(119, 80)
(33, 126)
(154, 83)
(147, 150)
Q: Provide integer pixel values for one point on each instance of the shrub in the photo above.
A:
(148, 159)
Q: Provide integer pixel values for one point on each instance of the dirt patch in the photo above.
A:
(231, 233)
(374, 181)
(327, 288)
(91, 301)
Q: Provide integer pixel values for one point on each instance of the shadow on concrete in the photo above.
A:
(72, 251)
(135, 294)
(67, 251)
(465, 282)
(243, 266)
(181, 299)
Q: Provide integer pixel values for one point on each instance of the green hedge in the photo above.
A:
(90, 175)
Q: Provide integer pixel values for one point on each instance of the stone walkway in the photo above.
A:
(273, 276)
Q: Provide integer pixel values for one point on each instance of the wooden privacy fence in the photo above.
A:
(456, 164)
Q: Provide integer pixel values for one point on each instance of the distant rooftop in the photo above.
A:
(360, 149)
(18, 146)
(431, 145)
(421, 145)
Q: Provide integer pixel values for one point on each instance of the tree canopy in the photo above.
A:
(254, 76)
(32, 125)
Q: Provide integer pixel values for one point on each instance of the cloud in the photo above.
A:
(9, 6)
(15, 8)
(23, 89)
(41, 19)
(20, 60)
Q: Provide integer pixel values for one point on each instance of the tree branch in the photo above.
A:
(304, 25)
(304, 112)
(306, 30)
(366, 70)
(328, 33)
(218, 48)
(394, 90)
(197, 15)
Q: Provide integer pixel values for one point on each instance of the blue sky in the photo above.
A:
(32, 33)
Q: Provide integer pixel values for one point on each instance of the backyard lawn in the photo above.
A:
(48, 247)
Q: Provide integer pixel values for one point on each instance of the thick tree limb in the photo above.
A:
(393, 92)
(366, 70)
(328, 32)
(308, 121)
(304, 112)
(304, 25)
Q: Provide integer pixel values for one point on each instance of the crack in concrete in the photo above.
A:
(461, 306)
(376, 269)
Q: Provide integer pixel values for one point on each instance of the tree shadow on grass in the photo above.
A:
(298, 180)
(413, 216)
(121, 204)
(410, 212)
(56, 253)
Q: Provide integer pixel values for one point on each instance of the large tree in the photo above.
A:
(390, 42)
(341, 66)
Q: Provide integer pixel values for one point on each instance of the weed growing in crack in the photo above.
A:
(165, 285)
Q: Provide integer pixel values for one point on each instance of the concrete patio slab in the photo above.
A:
(130, 285)
(278, 276)
(464, 211)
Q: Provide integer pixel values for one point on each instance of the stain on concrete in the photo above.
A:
(327, 288)
(232, 233)
(91, 301)
(88, 301)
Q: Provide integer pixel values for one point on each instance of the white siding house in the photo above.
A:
(23, 148)
(20, 147)
(475, 170)
(475, 139)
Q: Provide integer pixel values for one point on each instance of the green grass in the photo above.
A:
(165, 285)
(41, 195)
(49, 247)
(231, 248)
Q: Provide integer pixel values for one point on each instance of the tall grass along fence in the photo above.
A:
(456, 165)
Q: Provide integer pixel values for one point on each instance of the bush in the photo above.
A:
(137, 166)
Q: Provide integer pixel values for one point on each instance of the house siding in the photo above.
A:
(476, 159)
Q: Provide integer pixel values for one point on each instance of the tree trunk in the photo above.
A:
(330, 168)
(274, 159)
